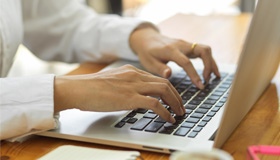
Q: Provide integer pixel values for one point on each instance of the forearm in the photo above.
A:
(71, 32)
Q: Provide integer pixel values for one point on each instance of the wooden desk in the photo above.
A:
(226, 36)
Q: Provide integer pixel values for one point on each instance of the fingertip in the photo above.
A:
(218, 74)
(200, 85)
(171, 119)
(166, 73)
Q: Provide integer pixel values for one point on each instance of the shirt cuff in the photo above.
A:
(27, 106)
(118, 40)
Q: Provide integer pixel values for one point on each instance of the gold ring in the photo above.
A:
(193, 46)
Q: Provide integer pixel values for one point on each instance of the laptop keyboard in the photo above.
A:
(200, 105)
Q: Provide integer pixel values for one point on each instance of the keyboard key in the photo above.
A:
(188, 94)
(192, 120)
(214, 97)
(188, 111)
(197, 115)
(219, 104)
(150, 115)
(197, 129)
(179, 117)
(186, 115)
(170, 125)
(131, 114)
(141, 124)
(202, 94)
(193, 90)
(154, 127)
(215, 109)
(207, 119)
(224, 86)
(132, 120)
(202, 124)
(221, 89)
(211, 114)
(178, 121)
(216, 93)
(182, 131)
(151, 111)
(180, 90)
(174, 81)
(192, 134)
(186, 97)
(209, 102)
(197, 98)
(201, 110)
(194, 102)
(184, 85)
(206, 106)
(227, 82)
(160, 120)
(223, 100)
(141, 110)
(125, 119)
(190, 106)
(223, 74)
(188, 125)
(166, 130)
(180, 76)
(120, 124)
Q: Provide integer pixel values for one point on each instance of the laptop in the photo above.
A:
(211, 115)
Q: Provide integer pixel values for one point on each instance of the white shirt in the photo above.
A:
(59, 30)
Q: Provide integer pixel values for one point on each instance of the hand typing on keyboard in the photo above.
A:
(155, 50)
(123, 88)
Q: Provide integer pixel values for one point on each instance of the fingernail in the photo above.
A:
(172, 119)
(165, 73)
(183, 108)
(200, 85)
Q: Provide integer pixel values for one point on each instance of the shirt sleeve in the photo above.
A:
(26, 106)
(67, 30)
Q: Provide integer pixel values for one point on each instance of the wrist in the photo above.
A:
(140, 37)
(59, 94)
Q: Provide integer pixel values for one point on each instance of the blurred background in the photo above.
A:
(154, 11)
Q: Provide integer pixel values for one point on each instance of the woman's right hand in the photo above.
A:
(123, 88)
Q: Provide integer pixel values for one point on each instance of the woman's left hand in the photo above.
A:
(155, 50)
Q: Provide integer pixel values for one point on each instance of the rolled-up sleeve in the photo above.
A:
(27, 105)
(66, 30)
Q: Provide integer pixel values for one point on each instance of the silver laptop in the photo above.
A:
(212, 114)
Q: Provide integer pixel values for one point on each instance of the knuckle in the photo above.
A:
(164, 88)
(166, 81)
(180, 41)
(169, 47)
(207, 49)
(186, 62)
(132, 73)
(129, 66)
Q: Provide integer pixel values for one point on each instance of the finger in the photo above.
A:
(136, 69)
(215, 68)
(156, 106)
(205, 55)
(149, 78)
(155, 66)
(186, 64)
(164, 91)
